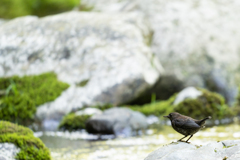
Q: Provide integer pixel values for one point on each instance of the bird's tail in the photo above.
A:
(201, 122)
(209, 117)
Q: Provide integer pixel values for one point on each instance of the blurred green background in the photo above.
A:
(16, 8)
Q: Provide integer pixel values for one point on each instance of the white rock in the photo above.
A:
(89, 111)
(107, 50)
(211, 151)
(8, 151)
(189, 92)
(192, 39)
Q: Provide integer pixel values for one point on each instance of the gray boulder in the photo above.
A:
(104, 57)
(194, 40)
(185, 151)
(8, 151)
(117, 121)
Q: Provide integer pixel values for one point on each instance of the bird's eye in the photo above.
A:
(170, 115)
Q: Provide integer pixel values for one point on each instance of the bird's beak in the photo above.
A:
(166, 116)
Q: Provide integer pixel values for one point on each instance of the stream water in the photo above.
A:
(82, 146)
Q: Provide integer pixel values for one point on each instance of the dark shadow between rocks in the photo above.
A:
(164, 88)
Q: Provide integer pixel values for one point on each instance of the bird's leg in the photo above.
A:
(189, 138)
(182, 138)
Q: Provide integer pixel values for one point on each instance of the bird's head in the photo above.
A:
(172, 115)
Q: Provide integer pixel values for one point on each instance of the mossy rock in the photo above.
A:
(21, 95)
(208, 104)
(32, 148)
(16, 8)
(236, 107)
(72, 122)
(158, 108)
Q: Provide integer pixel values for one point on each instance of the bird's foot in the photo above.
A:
(183, 141)
(180, 141)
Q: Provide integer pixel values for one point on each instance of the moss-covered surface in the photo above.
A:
(83, 83)
(208, 104)
(238, 97)
(85, 8)
(21, 95)
(32, 148)
(102, 107)
(156, 108)
(17, 8)
(72, 122)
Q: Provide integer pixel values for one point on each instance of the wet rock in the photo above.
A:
(118, 121)
(211, 151)
(104, 57)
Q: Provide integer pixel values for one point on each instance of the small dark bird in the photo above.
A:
(186, 125)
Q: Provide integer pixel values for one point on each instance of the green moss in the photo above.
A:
(48, 7)
(102, 107)
(85, 8)
(238, 97)
(24, 94)
(156, 108)
(82, 83)
(229, 146)
(17, 8)
(73, 122)
(225, 158)
(31, 147)
(208, 104)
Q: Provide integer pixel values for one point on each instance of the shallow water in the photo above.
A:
(78, 146)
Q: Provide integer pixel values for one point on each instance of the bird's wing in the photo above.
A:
(187, 124)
